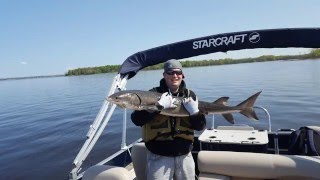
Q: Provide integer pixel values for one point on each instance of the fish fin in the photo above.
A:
(250, 113)
(247, 106)
(229, 118)
(250, 101)
(221, 101)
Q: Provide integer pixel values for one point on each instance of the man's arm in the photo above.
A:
(198, 121)
(140, 118)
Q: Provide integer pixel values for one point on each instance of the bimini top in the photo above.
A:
(272, 38)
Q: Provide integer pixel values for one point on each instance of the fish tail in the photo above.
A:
(247, 106)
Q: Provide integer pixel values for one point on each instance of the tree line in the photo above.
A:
(313, 54)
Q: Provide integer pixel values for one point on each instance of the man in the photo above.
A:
(169, 139)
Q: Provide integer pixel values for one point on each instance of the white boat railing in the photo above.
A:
(97, 127)
(268, 115)
(258, 107)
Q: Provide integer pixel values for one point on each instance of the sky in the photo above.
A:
(50, 37)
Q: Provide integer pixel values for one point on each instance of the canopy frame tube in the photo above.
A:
(97, 127)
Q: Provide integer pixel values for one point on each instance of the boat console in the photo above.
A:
(234, 138)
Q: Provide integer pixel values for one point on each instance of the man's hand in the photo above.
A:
(191, 105)
(166, 101)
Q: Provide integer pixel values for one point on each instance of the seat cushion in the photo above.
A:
(101, 172)
(257, 165)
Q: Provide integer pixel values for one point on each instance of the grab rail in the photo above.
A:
(267, 113)
(97, 127)
(259, 107)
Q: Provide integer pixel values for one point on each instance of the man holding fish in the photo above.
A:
(169, 138)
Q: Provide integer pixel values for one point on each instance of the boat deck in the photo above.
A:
(256, 141)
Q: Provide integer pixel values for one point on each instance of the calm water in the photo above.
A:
(43, 122)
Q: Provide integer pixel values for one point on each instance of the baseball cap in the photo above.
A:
(172, 64)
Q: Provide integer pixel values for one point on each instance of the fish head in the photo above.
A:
(126, 99)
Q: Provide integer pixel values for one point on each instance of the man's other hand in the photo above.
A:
(191, 105)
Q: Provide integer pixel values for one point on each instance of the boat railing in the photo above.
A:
(97, 127)
(257, 107)
(268, 115)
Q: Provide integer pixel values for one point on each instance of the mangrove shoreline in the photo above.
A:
(313, 54)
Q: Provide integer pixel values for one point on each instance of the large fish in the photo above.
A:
(147, 100)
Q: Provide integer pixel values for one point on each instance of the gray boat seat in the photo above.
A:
(102, 172)
(243, 165)
(139, 160)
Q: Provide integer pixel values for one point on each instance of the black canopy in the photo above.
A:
(272, 38)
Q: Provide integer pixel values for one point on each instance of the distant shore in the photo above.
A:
(30, 77)
(314, 54)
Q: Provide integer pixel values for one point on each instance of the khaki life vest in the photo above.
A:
(163, 128)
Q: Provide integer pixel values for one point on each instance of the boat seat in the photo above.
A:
(244, 165)
(102, 172)
(139, 160)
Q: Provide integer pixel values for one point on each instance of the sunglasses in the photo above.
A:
(174, 72)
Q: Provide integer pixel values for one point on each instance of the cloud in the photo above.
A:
(23, 63)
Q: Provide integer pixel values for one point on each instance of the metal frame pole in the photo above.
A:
(96, 128)
(124, 130)
(267, 113)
